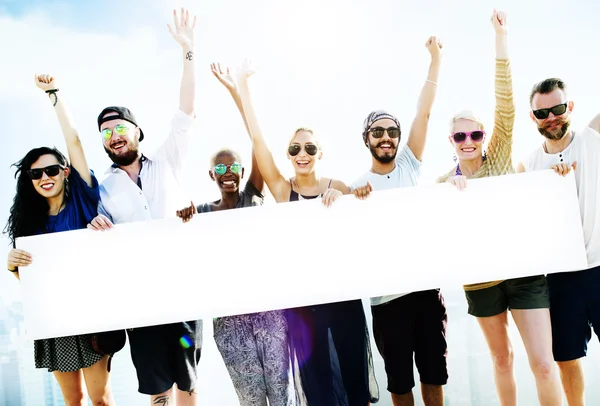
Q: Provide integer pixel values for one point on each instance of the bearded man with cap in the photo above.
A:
(140, 188)
(408, 323)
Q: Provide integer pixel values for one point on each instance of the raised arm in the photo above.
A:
(183, 33)
(74, 148)
(420, 124)
(500, 146)
(227, 80)
(277, 184)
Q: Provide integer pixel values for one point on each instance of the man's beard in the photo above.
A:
(124, 159)
(557, 133)
(385, 159)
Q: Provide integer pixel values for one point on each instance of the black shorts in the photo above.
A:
(165, 355)
(574, 309)
(519, 294)
(412, 324)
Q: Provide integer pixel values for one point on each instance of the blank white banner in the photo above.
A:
(296, 254)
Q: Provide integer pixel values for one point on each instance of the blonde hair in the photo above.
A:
(466, 114)
(224, 151)
(308, 130)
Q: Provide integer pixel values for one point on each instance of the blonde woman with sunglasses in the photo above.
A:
(526, 298)
(320, 378)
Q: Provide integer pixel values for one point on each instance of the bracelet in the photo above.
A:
(53, 93)
(431, 81)
(14, 270)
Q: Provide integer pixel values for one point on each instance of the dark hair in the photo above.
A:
(29, 211)
(546, 86)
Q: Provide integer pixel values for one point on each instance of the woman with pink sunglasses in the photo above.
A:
(527, 298)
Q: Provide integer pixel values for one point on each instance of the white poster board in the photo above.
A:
(302, 253)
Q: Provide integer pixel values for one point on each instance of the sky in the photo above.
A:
(322, 64)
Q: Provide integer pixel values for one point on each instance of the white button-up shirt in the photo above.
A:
(161, 193)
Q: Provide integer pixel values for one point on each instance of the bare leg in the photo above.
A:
(536, 332)
(433, 395)
(403, 400)
(97, 382)
(573, 382)
(495, 330)
(71, 386)
(163, 399)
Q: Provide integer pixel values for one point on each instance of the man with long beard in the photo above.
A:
(574, 298)
(141, 188)
(410, 323)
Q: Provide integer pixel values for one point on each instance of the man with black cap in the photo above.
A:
(409, 323)
(138, 188)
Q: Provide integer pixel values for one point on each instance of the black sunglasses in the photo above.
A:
(557, 110)
(294, 149)
(393, 132)
(51, 170)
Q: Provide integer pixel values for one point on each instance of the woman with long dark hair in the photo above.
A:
(54, 195)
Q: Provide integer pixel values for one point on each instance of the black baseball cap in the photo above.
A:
(123, 113)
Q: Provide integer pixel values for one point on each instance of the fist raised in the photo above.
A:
(45, 81)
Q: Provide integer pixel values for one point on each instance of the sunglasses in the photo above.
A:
(235, 167)
(557, 110)
(120, 129)
(311, 149)
(51, 170)
(461, 136)
(393, 132)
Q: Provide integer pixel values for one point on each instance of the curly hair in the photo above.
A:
(29, 211)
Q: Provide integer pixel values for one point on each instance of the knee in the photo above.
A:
(101, 400)
(542, 370)
(74, 398)
(504, 362)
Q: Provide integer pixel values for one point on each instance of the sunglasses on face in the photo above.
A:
(51, 170)
(377, 132)
(476, 136)
(557, 110)
(235, 167)
(120, 129)
(311, 149)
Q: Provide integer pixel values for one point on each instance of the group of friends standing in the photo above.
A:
(320, 355)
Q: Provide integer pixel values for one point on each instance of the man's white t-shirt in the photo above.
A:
(585, 150)
(405, 174)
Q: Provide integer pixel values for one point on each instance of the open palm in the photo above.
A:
(183, 30)
(224, 76)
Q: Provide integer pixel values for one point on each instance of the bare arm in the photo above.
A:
(500, 146)
(277, 184)
(420, 124)
(74, 147)
(227, 80)
(184, 34)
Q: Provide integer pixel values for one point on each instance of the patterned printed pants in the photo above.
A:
(255, 350)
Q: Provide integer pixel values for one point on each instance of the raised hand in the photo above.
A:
(246, 70)
(499, 21)
(434, 46)
(45, 81)
(18, 258)
(184, 29)
(224, 77)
